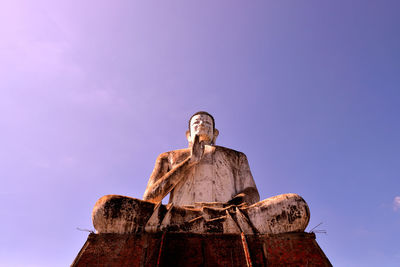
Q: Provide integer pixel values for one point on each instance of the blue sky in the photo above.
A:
(92, 91)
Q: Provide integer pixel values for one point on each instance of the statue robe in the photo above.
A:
(221, 174)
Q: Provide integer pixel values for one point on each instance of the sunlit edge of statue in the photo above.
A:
(211, 191)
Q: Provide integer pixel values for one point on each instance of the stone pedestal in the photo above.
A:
(183, 249)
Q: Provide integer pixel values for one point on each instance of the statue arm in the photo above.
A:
(246, 188)
(163, 180)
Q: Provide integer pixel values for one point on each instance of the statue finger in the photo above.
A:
(196, 148)
(196, 139)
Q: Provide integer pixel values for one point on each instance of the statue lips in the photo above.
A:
(203, 133)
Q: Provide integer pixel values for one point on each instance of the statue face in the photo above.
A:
(201, 125)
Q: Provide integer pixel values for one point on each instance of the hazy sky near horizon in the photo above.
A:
(92, 91)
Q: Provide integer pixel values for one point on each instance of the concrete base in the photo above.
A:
(182, 249)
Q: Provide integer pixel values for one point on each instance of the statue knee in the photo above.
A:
(298, 210)
(120, 214)
(279, 214)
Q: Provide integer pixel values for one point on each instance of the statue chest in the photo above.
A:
(212, 180)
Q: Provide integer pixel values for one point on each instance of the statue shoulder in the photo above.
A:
(230, 152)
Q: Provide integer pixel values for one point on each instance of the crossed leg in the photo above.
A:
(279, 214)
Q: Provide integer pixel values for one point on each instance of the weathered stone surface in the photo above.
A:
(280, 214)
(120, 214)
(211, 190)
(180, 249)
(219, 176)
(203, 172)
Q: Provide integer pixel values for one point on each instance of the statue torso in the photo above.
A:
(215, 179)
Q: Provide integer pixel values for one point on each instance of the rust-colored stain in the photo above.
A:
(184, 249)
(246, 250)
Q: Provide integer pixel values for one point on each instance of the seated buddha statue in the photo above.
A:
(211, 190)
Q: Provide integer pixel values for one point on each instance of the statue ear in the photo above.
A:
(216, 133)
(188, 135)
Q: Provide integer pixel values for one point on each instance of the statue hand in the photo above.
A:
(237, 200)
(197, 150)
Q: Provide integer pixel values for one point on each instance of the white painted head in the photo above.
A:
(203, 125)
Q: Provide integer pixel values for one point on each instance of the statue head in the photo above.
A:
(202, 124)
